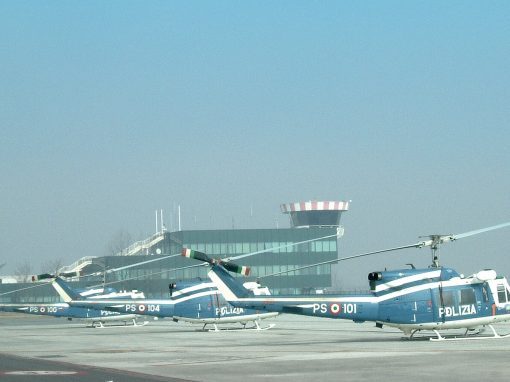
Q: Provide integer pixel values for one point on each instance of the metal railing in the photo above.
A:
(133, 249)
(78, 264)
(139, 246)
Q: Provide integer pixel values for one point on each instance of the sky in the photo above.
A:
(112, 110)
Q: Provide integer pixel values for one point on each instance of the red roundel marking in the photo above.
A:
(141, 308)
(335, 308)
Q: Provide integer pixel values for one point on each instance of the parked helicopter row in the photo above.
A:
(192, 301)
(196, 301)
(412, 300)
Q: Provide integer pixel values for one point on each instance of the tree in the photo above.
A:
(119, 242)
(52, 266)
(24, 272)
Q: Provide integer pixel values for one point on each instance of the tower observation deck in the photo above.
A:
(315, 213)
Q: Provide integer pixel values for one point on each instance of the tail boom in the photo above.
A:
(65, 291)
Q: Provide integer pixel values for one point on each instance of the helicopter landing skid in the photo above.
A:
(255, 327)
(100, 324)
(473, 337)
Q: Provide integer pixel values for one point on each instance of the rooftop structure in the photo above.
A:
(315, 213)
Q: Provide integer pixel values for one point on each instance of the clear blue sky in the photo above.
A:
(110, 110)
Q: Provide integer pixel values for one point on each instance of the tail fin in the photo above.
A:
(65, 291)
(231, 289)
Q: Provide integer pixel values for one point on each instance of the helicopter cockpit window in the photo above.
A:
(467, 296)
(502, 294)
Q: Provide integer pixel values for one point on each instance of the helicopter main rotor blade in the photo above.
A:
(238, 257)
(440, 239)
(434, 241)
(46, 276)
(477, 231)
(149, 274)
(342, 259)
(229, 266)
(197, 255)
(421, 244)
(69, 274)
(112, 270)
(43, 276)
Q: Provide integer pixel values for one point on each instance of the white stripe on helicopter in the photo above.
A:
(193, 288)
(407, 280)
(368, 299)
(120, 303)
(28, 305)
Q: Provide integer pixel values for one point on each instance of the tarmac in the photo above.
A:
(298, 348)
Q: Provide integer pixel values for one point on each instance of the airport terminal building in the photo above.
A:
(311, 238)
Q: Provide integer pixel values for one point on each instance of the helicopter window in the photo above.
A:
(502, 294)
(467, 296)
(448, 298)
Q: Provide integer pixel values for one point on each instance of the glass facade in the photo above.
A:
(281, 255)
(164, 263)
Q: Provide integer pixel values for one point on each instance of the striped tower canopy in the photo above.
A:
(315, 213)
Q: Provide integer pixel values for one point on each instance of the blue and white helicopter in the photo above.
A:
(197, 302)
(94, 317)
(412, 300)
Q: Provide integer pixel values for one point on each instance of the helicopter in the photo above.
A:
(96, 318)
(194, 301)
(412, 300)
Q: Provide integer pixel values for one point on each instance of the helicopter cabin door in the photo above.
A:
(407, 308)
(223, 308)
(454, 302)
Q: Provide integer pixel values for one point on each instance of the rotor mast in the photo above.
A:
(434, 248)
(434, 242)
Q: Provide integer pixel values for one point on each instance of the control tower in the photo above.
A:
(315, 213)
